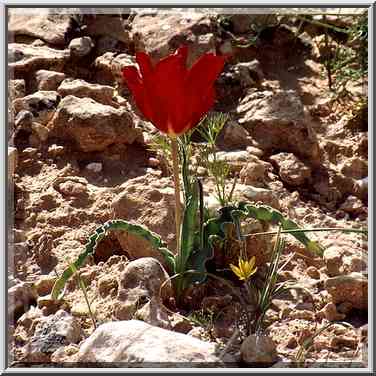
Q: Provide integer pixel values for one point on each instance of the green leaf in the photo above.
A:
(90, 247)
(188, 233)
(269, 214)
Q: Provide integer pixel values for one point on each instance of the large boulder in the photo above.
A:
(136, 344)
(277, 121)
(92, 125)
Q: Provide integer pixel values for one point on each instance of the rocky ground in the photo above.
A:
(79, 155)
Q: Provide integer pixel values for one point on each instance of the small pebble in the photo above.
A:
(55, 150)
(153, 162)
(292, 343)
(94, 167)
(201, 171)
(313, 272)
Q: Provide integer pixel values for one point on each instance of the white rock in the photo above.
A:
(94, 167)
(255, 194)
(137, 344)
(48, 80)
(81, 46)
(82, 89)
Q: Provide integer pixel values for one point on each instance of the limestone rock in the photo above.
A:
(81, 89)
(236, 79)
(258, 349)
(113, 26)
(40, 131)
(235, 159)
(137, 344)
(355, 168)
(20, 297)
(48, 80)
(255, 172)
(29, 320)
(80, 47)
(44, 284)
(353, 205)
(333, 257)
(352, 288)
(109, 66)
(234, 136)
(52, 333)
(51, 28)
(42, 104)
(16, 89)
(150, 202)
(291, 169)
(24, 58)
(277, 120)
(251, 193)
(160, 34)
(140, 293)
(330, 313)
(92, 125)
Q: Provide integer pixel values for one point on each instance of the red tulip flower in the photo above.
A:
(171, 96)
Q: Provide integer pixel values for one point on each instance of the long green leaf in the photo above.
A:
(188, 232)
(90, 247)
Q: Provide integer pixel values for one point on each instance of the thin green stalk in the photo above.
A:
(308, 230)
(175, 164)
(82, 285)
(322, 24)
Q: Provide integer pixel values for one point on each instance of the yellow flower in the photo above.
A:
(246, 269)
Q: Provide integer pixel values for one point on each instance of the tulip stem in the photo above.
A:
(175, 167)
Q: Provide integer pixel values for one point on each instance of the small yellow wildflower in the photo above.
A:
(246, 269)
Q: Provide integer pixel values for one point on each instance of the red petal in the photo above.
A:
(200, 81)
(206, 103)
(131, 76)
(205, 71)
(144, 62)
(169, 81)
(136, 86)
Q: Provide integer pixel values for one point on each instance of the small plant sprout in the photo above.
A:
(82, 286)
